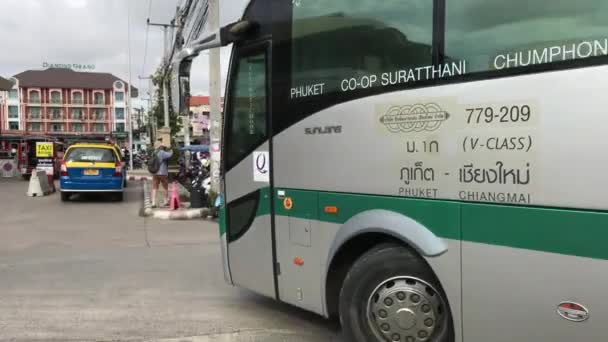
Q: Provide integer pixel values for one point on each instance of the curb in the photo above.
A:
(147, 205)
(166, 214)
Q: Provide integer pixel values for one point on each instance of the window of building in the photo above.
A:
(35, 127)
(120, 127)
(55, 96)
(56, 127)
(77, 127)
(119, 96)
(34, 96)
(99, 114)
(119, 113)
(55, 113)
(98, 98)
(13, 125)
(494, 34)
(13, 112)
(13, 94)
(99, 128)
(337, 46)
(34, 112)
(77, 97)
(77, 113)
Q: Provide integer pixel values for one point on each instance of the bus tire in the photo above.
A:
(391, 294)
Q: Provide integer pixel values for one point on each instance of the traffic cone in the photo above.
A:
(175, 204)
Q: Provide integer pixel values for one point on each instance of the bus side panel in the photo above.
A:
(249, 242)
(513, 279)
(251, 258)
(300, 246)
(447, 269)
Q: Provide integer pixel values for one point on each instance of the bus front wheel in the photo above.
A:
(390, 294)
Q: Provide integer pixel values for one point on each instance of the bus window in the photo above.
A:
(347, 45)
(497, 34)
(247, 120)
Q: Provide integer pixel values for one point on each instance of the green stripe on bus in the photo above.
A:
(222, 220)
(263, 203)
(563, 231)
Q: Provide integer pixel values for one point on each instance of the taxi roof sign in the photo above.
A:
(44, 149)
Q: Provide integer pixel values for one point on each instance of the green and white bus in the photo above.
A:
(425, 170)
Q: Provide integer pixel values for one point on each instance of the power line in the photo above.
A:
(129, 98)
(143, 67)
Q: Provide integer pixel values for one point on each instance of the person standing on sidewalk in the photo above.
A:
(161, 175)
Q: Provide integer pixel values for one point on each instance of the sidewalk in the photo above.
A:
(184, 213)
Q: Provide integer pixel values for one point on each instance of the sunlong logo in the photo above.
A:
(323, 130)
(414, 118)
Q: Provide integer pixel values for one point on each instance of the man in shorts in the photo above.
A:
(162, 175)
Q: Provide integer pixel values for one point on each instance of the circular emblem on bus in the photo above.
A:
(288, 203)
(572, 311)
(8, 167)
(414, 118)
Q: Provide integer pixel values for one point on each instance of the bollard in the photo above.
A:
(39, 184)
(174, 204)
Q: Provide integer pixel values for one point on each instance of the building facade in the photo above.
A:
(199, 118)
(66, 104)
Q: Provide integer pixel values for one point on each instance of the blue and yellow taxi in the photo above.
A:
(93, 167)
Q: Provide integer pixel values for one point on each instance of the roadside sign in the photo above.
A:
(46, 165)
(44, 149)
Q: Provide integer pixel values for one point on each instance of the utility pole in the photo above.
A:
(129, 118)
(165, 63)
(214, 99)
(150, 95)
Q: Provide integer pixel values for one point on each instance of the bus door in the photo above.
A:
(247, 171)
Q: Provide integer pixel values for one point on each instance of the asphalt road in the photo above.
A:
(93, 270)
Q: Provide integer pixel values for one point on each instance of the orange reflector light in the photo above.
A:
(330, 209)
(287, 203)
(298, 261)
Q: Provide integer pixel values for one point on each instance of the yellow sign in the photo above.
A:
(44, 149)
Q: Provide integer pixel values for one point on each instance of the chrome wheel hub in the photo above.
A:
(405, 309)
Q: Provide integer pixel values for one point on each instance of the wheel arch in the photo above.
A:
(364, 231)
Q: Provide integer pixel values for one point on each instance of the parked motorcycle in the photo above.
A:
(200, 185)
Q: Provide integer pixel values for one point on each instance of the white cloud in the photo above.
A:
(95, 32)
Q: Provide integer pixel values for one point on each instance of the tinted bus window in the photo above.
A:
(344, 45)
(247, 111)
(498, 34)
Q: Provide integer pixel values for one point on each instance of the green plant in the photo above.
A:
(158, 109)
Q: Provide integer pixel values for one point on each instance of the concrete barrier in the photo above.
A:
(39, 184)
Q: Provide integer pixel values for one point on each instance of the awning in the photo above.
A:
(195, 148)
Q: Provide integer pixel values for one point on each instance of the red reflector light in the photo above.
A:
(64, 169)
(571, 306)
(118, 169)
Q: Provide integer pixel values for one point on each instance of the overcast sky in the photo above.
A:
(95, 32)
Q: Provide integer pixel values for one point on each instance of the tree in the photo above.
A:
(158, 109)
